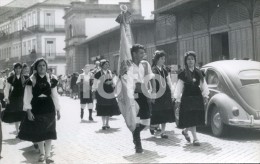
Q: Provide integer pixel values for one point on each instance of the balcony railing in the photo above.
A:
(33, 29)
(52, 56)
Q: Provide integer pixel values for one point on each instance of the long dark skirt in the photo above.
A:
(191, 118)
(42, 128)
(107, 110)
(44, 125)
(16, 103)
(163, 109)
(192, 112)
(14, 110)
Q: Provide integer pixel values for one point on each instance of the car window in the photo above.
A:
(212, 78)
(248, 77)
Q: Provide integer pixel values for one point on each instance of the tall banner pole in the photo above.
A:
(127, 104)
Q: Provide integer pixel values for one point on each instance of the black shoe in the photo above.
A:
(164, 136)
(196, 143)
(35, 146)
(107, 126)
(158, 129)
(82, 113)
(139, 150)
(49, 160)
(186, 135)
(90, 119)
(138, 147)
(152, 131)
(104, 127)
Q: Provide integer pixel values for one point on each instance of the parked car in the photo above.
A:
(234, 87)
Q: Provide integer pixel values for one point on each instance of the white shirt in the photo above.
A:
(28, 98)
(8, 86)
(2, 83)
(84, 77)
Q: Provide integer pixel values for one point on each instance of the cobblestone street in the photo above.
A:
(84, 142)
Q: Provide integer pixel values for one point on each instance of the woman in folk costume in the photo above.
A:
(85, 82)
(191, 95)
(14, 93)
(41, 103)
(104, 86)
(162, 105)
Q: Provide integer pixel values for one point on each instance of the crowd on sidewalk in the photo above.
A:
(30, 97)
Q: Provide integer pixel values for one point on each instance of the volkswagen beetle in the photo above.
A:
(234, 98)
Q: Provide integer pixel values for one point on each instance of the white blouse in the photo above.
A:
(179, 89)
(8, 86)
(28, 98)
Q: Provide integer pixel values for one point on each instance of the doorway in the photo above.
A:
(220, 46)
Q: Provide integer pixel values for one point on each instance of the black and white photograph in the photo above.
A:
(129, 81)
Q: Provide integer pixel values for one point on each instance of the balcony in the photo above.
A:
(46, 28)
(53, 57)
(33, 29)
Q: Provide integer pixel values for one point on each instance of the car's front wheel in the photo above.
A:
(218, 128)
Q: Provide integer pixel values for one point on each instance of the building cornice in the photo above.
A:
(174, 6)
(134, 23)
(38, 5)
(85, 8)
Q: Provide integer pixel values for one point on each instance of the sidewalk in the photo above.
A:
(84, 142)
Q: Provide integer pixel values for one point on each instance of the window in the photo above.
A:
(24, 48)
(24, 22)
(9, 52)
(29, 47)
(248, 77)
(34, 19)
(70, 31)
(212, 78)
(20, 24)
(34, 44)
(50, 48)
(49, 20)
(29, 16)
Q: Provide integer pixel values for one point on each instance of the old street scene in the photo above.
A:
(129, 81)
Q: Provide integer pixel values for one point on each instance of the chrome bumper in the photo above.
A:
(252, 123)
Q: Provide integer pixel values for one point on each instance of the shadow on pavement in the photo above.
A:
(205, 148)
(12, 141)
(236, 134)
(173, 140)
(111, 130)
(113, 119)
(147, 156)
(31, 155)
(87, 121)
